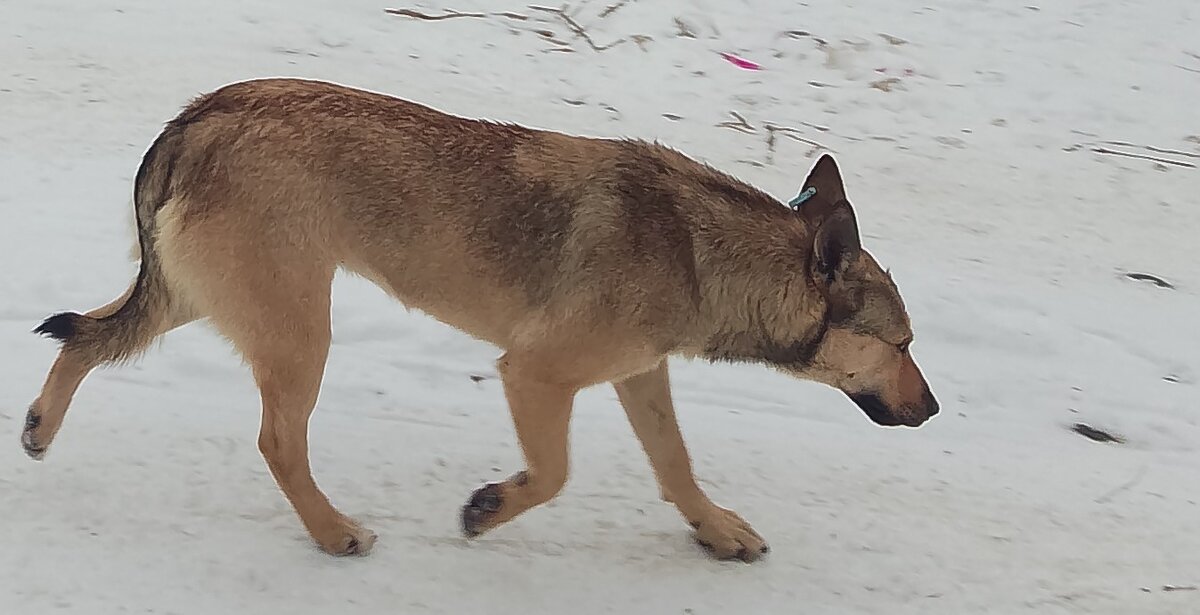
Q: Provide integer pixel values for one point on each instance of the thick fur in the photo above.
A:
(118, 331)
(586, 260)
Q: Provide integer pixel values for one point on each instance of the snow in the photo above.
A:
(975, 179)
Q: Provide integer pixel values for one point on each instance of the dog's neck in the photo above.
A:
(758, 303)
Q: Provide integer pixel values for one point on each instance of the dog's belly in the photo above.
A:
(454, 293)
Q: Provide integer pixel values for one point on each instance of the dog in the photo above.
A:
(585, 260)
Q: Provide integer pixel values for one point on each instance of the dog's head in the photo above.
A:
(863, 347)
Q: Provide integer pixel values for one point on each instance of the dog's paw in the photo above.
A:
(479, 511)
(33, 445)
(350, 539)
(726, 536)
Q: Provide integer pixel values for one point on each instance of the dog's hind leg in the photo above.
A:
(278, 318)
(288, 363)
(647, 401)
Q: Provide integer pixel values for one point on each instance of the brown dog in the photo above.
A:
(586, 260)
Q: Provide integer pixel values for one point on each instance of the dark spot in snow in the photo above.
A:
(1096, 435)
(1153, 279)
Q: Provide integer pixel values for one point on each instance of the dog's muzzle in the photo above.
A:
(881, 414)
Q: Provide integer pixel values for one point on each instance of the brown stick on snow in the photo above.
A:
(576, 28)
(741, 125)
(793, 134)
(452, 14)
(613, 8)
(449, 14)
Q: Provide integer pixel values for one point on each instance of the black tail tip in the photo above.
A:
(61, 326)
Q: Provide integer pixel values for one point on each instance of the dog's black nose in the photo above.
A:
(932, 407)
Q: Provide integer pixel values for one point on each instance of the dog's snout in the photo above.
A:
(881, 413)
(932, 407)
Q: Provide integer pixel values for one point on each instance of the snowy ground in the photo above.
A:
(971, 161)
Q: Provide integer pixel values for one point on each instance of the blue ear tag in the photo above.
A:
(802, 197)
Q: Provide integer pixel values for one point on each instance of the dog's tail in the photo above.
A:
(120, 330)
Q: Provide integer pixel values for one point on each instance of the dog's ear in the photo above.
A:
(827, 179)
(836, 243)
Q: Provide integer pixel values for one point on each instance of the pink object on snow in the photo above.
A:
(741, 62)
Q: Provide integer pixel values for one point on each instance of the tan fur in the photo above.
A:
(586, 260)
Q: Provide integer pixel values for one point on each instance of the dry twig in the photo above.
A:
(613, 8)
(1151, 148)
(452, 14)
(885, 85)
(449, 14)
(791, 133)
(684, 31)
(741, 125)
(1098, 147)
(1113, 152)
(576, 28)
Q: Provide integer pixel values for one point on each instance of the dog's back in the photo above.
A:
(483, 225)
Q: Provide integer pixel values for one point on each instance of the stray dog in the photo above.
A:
(585, 260)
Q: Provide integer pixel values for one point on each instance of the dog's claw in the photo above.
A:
(356, 541)
(743, 554)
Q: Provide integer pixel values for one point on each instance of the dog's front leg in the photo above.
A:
(647, 401)
(540, 405)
